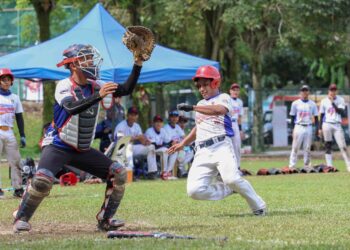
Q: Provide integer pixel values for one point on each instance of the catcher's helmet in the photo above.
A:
(86, 57)
(6, 72)
(209, 72)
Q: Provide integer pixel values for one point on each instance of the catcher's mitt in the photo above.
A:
(140, 41)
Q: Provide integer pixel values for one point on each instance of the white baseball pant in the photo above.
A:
(8, 144)
(301, 135)
(167, 161)
(143, 150)
(335, 129)
(236, 140)
(208, 162)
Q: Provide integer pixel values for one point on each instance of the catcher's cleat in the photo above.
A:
(110, 224)
(260, 212)
(18, 193)
(21, 226)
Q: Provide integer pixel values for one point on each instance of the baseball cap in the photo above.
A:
(174, 113)
(157, 118)
(235, 86)
(304, 87)
(133, 110)
(183, 119)
(333, 86)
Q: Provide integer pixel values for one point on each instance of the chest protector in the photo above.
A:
(79, 130)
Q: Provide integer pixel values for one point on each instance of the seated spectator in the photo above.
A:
(160, 139)
(186, 155)
(141, 146)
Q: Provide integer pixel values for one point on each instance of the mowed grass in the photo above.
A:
(307, 211)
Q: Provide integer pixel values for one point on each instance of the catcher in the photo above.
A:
(67, 140)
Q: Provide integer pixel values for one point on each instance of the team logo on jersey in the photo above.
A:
(90, 111)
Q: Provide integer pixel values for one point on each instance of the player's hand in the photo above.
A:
(108, 88)
(185, 107)
(175, 148)
(23, 142)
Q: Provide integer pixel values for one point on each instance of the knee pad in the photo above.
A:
(118, 171)
(328, 146)
(42, 183)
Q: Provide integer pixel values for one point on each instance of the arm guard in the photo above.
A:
(20, 124)
(75, 107)
(129, 85)
(339, 110)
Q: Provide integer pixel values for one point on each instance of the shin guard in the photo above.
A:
(36, 191)
(114, 192)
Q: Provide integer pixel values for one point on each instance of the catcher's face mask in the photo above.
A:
(89, 61)
(85, 57)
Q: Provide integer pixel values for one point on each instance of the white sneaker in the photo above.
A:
(348, 168)
(21, 226)
(170, 177)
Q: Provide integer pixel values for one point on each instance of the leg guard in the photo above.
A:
(113, 196)
(35, 193)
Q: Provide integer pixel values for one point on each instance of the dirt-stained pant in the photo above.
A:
(8, 145)
(207, 163)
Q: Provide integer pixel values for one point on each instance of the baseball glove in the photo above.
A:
(140, 41)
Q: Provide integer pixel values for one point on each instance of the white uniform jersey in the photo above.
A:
(9, 106)
(175, 133)
(157, 138)
(326, 108)
(209, 126)
(237, 110)
(303, 111)
(123, 129)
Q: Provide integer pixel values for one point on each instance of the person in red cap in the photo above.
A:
(68, 139)
(11, 107)
(214, 150)
(332, 109)
(236, 117)
(161, 140)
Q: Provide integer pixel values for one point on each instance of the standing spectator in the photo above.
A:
(302, 114)
(236, 116)
(116, 113)
(141, 146)
(11, 107)
(161, 140)
(332, 109)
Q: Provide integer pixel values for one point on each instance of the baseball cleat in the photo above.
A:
(110, 224)
(1, 193)
(21, 226)
(260, 212)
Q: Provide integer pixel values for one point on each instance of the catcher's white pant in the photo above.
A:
(8, 144)
(236, 140)
(301, 135)
(207, 163)
(334, 129)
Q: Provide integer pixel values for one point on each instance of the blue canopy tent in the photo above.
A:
(101, 30)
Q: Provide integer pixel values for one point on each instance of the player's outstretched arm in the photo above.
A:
(206, 110)
(188, 140)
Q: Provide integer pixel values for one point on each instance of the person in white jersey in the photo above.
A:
(186, 155)
(10, 108)
(236, 116)
(161, 140)
(140, 144)
(332, 108)
(303, 115)
(214, 149)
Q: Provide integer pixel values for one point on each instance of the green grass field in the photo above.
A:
(307, 211)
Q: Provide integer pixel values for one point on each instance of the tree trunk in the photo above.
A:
(133, 9)
(43, 9)
(257, 135)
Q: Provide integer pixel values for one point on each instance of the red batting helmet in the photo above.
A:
(6, 72)
(209, 72)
